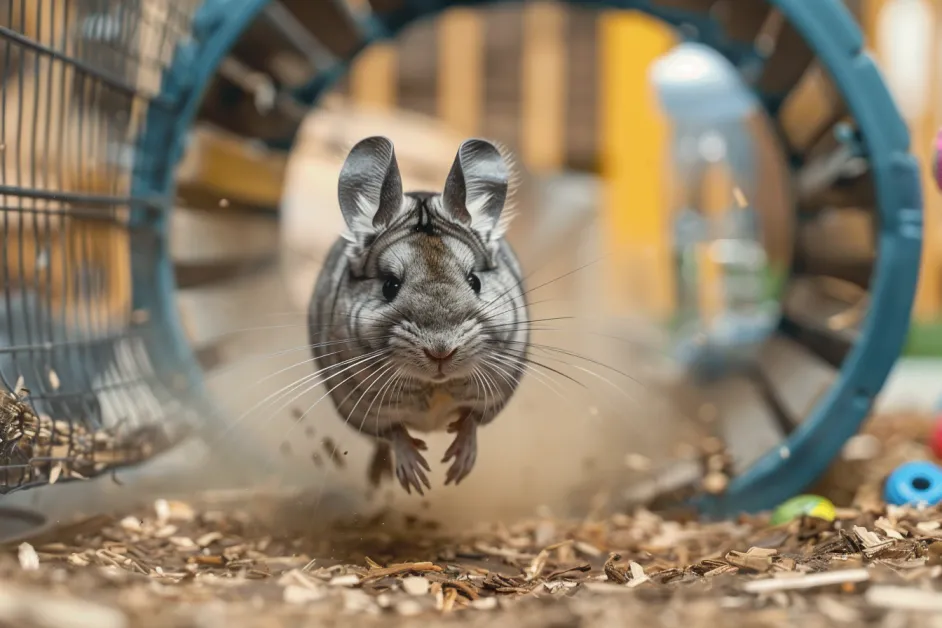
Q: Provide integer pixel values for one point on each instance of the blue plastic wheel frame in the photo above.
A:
(829, 30)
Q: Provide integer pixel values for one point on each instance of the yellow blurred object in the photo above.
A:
(461, 70)
(922, 126)
(634, 159)
(543, 119)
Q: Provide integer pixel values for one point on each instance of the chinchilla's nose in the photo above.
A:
(440, 353)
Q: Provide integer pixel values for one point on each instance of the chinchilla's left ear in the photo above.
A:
(476, 188)
(370, 187)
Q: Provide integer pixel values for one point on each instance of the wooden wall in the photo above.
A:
(525, 75)
(924, 120)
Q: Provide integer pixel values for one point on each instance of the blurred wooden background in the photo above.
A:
(556, 82)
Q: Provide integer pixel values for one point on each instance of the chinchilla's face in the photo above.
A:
(429, 282)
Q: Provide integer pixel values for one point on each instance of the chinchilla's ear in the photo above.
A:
(370, 187)
(476, 188)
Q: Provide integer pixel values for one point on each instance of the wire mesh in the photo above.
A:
(78, 80)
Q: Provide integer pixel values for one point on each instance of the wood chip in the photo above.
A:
(401, 568)
(613, 572)
(415, 585)
(808, 581)
(867, 538)
(756, 559)
(408, 608)
(638, 577)
(164, 561)
(294, 594)
(448, 601)
(904, 598)
(346, 580)
(37, 608)
(536, 566)
(484, 604)
(29, 559)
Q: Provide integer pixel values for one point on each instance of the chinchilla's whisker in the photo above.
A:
(378, 375)
(300, 323)
(346, 421)
(331, 389)
(228, 368)
(530, 360)
(541, 378)
(504, 375)
(521, 306)
(403, 382)
(544, 284)
(304, 380)
(573, 354)
(492, 391)
(484, 387)
(515, 324)
(286, 390)
(535, 329)
(513, 362)
(299, 419)
(516, 285)
(598, 376)
(477, 381)
(387, 389)
(380, 368)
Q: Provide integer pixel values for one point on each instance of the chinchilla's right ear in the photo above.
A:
(370, 187)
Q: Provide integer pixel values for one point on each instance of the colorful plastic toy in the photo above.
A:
(914, 483)
(935, 439)
(802, 505)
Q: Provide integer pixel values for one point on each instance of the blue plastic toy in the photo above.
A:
(914, 483)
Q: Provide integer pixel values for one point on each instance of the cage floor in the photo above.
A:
(178, 564)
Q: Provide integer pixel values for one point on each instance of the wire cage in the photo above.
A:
(81, 83)
(99, 98)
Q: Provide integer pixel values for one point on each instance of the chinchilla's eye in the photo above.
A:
(391, 287)
(474, 282)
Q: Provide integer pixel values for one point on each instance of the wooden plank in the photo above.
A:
(373, 77)
(200, 237)
(746, 423)
(543, 115)
(742, 20)
(417, 73)
(833, 177)
(800, 377)
(685, 5)
(331, 23)
(811, 110)
(839, 243)
(232, 168)
(582, 110)
(386, 6)
(788, 62)
(928, 303)
(633, 139)
(263, 47)
(460, 73)
(502, 79)
(772, 194)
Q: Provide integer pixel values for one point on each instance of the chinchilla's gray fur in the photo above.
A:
(418, 320)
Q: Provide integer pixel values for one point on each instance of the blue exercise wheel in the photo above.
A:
(113, 381)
